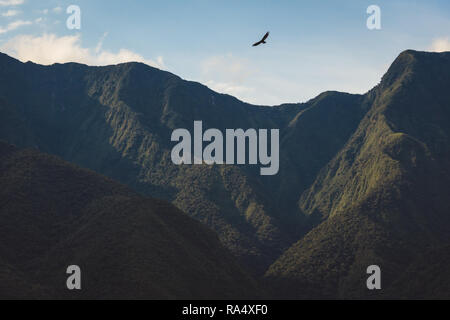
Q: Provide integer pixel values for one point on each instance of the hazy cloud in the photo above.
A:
(269, 83)
(227, 67)
(10, 13)
(228, 74)
(229, 88)
(5, 3)
(14, 25)
(440, 45)
(57, 10)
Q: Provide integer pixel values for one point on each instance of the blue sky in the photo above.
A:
(314, 46)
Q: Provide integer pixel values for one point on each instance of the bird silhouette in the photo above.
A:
(263, 40)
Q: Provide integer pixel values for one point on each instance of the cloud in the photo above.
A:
(57, 10)
(99, 46)
(49, 48)
(4, 3)
(440, 45)
(289, 78)
(14, 25)
(229, 88)
(228, 74)
(228, 68)
(10, 13)
(238, 77)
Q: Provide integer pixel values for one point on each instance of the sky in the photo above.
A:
(314, 46)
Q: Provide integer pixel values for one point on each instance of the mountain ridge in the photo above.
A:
(374, 162)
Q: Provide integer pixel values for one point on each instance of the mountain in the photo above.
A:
(117, 120)
(384, 198)
(363, 179)
(54, 214)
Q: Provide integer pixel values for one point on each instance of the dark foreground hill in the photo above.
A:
(54, 214)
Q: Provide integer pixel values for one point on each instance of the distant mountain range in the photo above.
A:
(364, 179)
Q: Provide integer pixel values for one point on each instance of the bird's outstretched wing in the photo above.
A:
(262, 40)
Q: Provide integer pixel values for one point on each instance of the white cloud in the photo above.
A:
(4, 3)
(14, 25)
(240, 78)
(49, 48)
(229, 88)
(57, 10)
(10, 13)
(440, 45)
(99, 46)
(227, 67)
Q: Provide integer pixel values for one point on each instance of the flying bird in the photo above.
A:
(263, 40)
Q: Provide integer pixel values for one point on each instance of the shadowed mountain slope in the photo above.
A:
(54, 214)
(384, 199)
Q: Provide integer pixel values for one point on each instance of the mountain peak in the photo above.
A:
(4, 58)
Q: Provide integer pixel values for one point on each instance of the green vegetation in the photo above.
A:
(364, 179)
(54, 214)
(384, 198)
